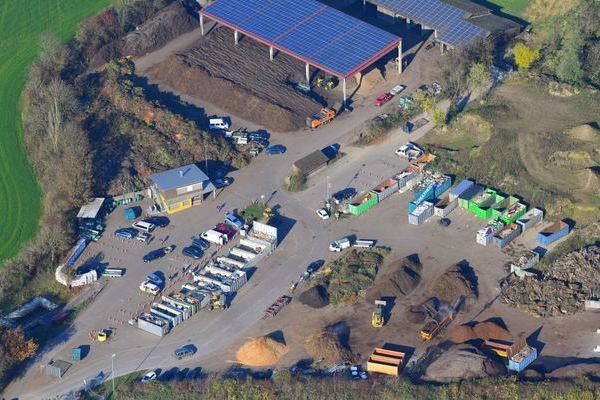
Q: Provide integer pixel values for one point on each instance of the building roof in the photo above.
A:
(91, 209)
(322, 36)
(313, 161)
(180, 177)
(458, 22)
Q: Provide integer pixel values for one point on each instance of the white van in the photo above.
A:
(340, 244)
(218, 124)
(144, 226)
(214, 237)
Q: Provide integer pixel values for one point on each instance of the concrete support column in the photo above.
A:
(344, 89)
(236, 36)
(400, 57)
(271, 53)
(202, 24)
(407, 23)
(442, 47)
(435, 34)
(307, 74)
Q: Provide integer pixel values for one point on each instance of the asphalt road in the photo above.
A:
(210, 332)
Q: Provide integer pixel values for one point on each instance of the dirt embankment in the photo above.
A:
(240, 79)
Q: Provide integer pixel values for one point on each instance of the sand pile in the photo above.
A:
(403, 277)
(327, 345)
(483, 330)
(262, 351)
(458, 280)
(462, 362)
(370, 80)
(315, 297)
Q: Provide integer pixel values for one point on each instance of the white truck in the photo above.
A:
(410, 151)
(340, 244)
(215, 237)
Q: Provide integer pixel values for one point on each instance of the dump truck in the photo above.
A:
(322, 117)
(377, 319)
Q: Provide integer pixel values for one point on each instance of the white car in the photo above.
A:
(340, 244)
(410, 151)
(149, 287)
(322, 213)
(397, 89)
(150, 376)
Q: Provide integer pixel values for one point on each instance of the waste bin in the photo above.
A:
(76, 354)
(130, 213)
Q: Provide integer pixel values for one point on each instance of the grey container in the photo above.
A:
(444, 207)
(57, 368)
(404, 177)
(173, 320)
(505, 236)
(421, 214)
(386, 189)
(152, 324)
(531, 218)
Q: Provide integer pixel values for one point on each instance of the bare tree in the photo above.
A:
(61, 104)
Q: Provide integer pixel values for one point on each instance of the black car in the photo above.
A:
(154, 255)
(193, 252)
(259, 135)
(126, 233)
(444, 222)
(201, 243)
(343, 195)
(161, 222)
(222, 182)
(276, 149)
(314, 266)
(183, 352)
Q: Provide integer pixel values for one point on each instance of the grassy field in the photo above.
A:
(21, 23)
(512, 7)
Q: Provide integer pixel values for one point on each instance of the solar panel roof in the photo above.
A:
(306, 29)
(448, 20)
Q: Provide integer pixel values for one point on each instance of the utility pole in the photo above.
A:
(112, 367)
(205, 158)
(328, 185)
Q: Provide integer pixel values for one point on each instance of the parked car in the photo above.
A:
(397, 89)
(227, 230)
(340, 244)
(276, 149)
(322, 213)
(222, 182)
(314, 266)
(343, 195)
(192, 252)
(234, 220)
(444, 222)
(183, 352)
(159, 221)
(150, 376)
(158, 253)
(143, 237)
(201, 243)
(149, 287)
(155, 278)
(384, 98)
(262, 135)
(126, 233)
(143, 226)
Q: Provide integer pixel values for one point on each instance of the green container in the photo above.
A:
(513, 212)
(480, 204)
(500, 205)
(363, 203)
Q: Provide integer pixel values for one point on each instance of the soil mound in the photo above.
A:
(370, 80)
(462, 362)
(561, 289)
(315, 297)
(403, 277)
(262, 351)
(458, 280)
(329, 345)
(415, 314)
(483, 330)
(240, 79)
(585, 132)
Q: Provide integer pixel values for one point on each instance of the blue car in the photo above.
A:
(276, 149)
(126, 233)
(234, 220)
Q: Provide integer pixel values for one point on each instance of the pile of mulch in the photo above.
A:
(330, 345)
(402, 278)
(260, 352)
(315, 297)
(415, 314)
(458, 280)
(462, 362)
(482, 330)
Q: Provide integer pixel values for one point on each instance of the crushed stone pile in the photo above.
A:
(315, 297)
(561, 288)
(482, 330)
(402, 278)
(262, 351)
(458, 280)
(462, 362)
(327, 345)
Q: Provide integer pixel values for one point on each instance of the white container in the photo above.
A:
(421, 214)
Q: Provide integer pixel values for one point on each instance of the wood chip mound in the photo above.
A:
(457, 281)
(483, 330)
(326, 345)
(262, 351)
(315, 297)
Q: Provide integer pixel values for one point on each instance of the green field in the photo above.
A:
(21, 23)
(513, 7)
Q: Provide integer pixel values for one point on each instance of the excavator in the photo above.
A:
(377, 320)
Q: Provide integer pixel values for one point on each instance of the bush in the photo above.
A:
(296, 182)
(525, 56)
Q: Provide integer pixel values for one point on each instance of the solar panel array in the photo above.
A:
(448, 20)
(318, 34)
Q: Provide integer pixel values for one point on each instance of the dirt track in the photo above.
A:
(239, 79)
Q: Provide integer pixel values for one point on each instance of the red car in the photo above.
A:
(384, 98)
(225, 229)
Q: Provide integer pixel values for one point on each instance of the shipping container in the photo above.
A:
(445, 206)
(442, 185)
(530, 219)
(411, 206)
(245, 254)
(461, 188)
(405, 176)
(152, 324)
(481, 205)
(363, 203)
(385, 361)
(507, 235)
(467, 195)
(513, 212)
(421, 214)
(177, 299)
(386, 189)
(501, 205)
(522, 359)
(425, 193)
(76, 353)
(173, 319)
(553, 233)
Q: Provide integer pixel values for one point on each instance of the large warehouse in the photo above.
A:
(312, 32)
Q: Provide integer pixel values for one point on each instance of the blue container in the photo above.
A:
(441, 187)
(522, 359)
(412, 206)
(553, 233)
(130, 213)
(425, 194)
(76, 354)
(460, 189)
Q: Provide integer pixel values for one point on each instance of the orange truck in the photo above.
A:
(434, 326)
(385, 361)
(320, 118)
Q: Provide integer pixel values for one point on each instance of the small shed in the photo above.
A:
(92, 209)
(315, 161)
(57, 368)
